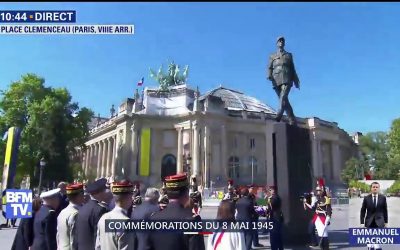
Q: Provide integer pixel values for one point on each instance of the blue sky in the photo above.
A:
(346, 54)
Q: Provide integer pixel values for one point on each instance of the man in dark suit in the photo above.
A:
(89, 215)
(374, 212)
(177, 188)
(64, 202)
(282, 73)
(45, 222)
(276, 216)
(246, 212)
(143, 212)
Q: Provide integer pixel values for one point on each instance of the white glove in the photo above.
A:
(327, 220)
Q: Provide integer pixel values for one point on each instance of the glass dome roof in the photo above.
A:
(235, 100)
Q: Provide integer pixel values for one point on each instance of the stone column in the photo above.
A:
(206, 156)
(109, 156)
(114, 156)
(180, 151)
(88, 155)
(103, 161)
(134, 149)
(336, 161)
(98, 166)
(224, 167)
(316, 155)
(196, 148)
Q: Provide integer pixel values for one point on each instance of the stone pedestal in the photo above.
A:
(293, 177)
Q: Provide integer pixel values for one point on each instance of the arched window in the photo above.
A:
(168, 166)
(253, 165)
(234, 167)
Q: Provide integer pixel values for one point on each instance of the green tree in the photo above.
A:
(375, 150)
(52, 126)
(354, 170)
(394, 152)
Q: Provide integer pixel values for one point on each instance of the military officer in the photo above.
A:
(195, 195)
(282, 73)
(117, 240)
(177, 188)
(163, 200)
(230, 195)
(67, 217)
(274, 211)
(89, 215)
(45, 222)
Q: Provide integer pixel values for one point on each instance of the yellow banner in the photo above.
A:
(7, 158)
(145, 148)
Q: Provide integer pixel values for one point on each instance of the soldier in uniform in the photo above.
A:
(117, 240)
(163, 200)
(89, 215)
(45, 222)
(322, 216)
(64, 199)
(195, 195)
(274, 211)
(282, 73)
(231, 195)
(177, 188)
(67, 218)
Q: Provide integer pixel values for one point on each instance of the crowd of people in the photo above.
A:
(73, 216)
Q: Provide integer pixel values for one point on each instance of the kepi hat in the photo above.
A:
(174, 184)
(74, 188)
(97, 186)
(122, 187)
(50, 194)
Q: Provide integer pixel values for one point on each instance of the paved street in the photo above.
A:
(338, 232)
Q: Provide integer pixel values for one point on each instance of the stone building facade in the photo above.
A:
(219, 135)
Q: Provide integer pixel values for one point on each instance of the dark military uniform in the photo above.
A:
(175, 241)
(282, 73)
(86, 224)
(176, 185)
(87, 219)
(45, 229)
(275, 215)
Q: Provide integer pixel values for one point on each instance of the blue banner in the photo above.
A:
(364, 236)
(37, 16)
(182, 226)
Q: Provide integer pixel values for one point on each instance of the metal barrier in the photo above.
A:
(339, 201)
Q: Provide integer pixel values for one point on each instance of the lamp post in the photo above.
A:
(188, 161)
(42, 165)
(252, 170)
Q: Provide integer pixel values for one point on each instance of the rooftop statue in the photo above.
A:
(171, 78)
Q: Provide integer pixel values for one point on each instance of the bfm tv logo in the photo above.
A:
(18, 203)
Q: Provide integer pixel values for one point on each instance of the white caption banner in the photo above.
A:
(57, 29)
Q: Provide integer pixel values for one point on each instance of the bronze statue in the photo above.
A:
(282, 73)
(171, 78)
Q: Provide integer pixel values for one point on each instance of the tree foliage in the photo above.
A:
(354, 170)
(52, 126)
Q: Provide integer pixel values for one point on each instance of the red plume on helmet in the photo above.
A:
(321, 182)
(230, 183)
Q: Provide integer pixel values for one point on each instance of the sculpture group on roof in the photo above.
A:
(171, 78)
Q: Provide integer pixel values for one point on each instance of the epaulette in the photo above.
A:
(327, 200)
(102, 205)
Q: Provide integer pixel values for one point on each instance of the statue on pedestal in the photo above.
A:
(282, 73)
